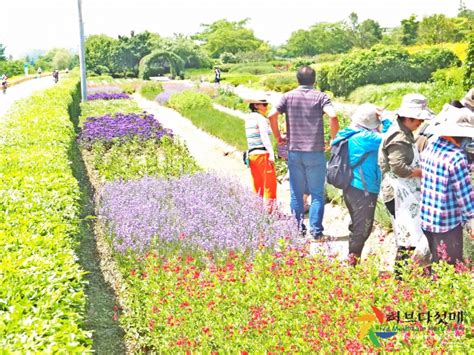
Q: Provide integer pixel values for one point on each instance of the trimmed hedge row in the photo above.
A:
(198, 108)
(41, 284)
(383, 64)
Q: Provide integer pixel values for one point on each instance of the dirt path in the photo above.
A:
(214, 155)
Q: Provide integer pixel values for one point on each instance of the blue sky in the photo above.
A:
(44, 24)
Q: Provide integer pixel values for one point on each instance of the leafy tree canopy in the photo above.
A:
(226, 36)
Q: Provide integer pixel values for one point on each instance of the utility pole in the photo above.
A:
(82, 56)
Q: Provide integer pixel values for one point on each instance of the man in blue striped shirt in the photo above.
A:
(447, 194)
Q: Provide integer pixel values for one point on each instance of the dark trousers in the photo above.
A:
(453, 244)
(361, 208)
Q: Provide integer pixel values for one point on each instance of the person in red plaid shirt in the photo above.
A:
(447, 194)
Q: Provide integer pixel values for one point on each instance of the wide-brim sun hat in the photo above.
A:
(415, 106)
(256, 101)
(468, 100)
(366, 115)
(460, 123)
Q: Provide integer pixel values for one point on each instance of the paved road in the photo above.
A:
(21, 91)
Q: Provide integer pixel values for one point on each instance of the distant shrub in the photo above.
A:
(386, 64)
(240, 79)
(299, 62)
(281, 82)
(253, 68)
(189, 100)
(228, 99)
(227, 57)
(469, 66)
(446, 85)
(150, 90)
(426, 62)
(460, 48)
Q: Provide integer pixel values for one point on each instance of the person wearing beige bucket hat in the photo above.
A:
(399, 161)
(447, 194)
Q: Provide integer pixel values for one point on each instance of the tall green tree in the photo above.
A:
(409, 30)
(469, 65)
(227, 36)
(436, 29)
(365, 34)
(101, 51)
(192, 54)
(131, 49)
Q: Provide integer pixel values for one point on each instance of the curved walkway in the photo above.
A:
(21, 91)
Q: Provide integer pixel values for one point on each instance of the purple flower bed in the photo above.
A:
(108, 96)
(103, 88)
(121, 127)
(201, 211)
(170, 89)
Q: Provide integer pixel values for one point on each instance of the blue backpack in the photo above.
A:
(339, 171)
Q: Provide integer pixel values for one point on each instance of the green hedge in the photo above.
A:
(41, 285)
(253, 68)
(198, 108)
(281, 82)
(150, 90)
(446, 85)
(383, 64)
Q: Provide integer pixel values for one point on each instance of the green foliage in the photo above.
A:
(160, 62)
(228, 99)
(320, 38)
(57, 58)
(97, 108)
(409, 30)
(189, 100)
(150, 90)
(281, 82)
(446, 86)
(41, 284)
(100, 52)
(238, 79)
(192, 54)
(190, 302)
(226, 36)
(11, 67)
(136, 159)
(436, 29)
(384, 64)
(253, 68)
(198, 108)
(469, 65)
(227, 58)
(131, 86)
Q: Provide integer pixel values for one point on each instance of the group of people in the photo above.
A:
(423, 174)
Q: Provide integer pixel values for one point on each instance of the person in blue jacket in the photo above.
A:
(360, 197)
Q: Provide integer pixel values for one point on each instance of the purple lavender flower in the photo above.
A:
(120, 128)
(110, 89)
(152, 212)
(108, 96)
(170, 89)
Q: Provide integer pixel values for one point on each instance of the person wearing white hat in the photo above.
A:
(360, 197)
(261, 157)
(447, 194)
(400, 162)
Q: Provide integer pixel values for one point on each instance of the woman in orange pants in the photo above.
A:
(261, 155)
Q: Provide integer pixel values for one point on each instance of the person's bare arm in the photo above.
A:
(333, 120)
(274, 126)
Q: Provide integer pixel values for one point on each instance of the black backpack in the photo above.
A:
(339, 172)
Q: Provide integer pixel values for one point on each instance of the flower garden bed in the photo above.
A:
(42, 298)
